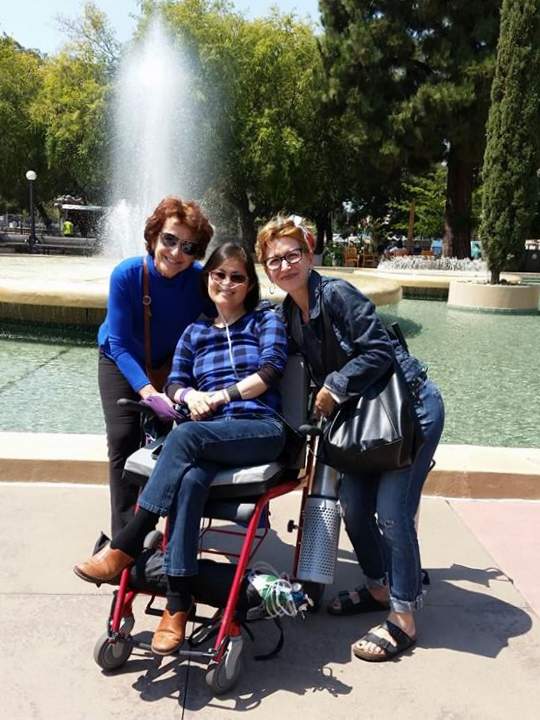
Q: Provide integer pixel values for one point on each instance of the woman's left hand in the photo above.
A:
(324, 403)
(199, 404)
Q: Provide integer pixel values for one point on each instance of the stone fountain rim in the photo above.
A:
(513, 298)
(30, 285)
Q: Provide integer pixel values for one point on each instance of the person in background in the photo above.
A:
(164, 286)
(379, 509)
(67, 228)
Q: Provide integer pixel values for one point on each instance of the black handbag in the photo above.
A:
(376, 431)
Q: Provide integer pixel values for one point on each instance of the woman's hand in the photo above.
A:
(162, 407)
(200, 404)
(324, 403)
(148, 390)
(218, 398)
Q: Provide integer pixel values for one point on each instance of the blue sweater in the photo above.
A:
(176, 302)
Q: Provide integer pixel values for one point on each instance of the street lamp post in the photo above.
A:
(31, 175)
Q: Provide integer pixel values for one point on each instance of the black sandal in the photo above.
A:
(347, 606)
(390, 651)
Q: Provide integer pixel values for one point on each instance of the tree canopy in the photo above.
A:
(414, 79)
(294, 119)
(428, 194)
(512, 158)
(22, 141)
(260, 82)
(73, 105)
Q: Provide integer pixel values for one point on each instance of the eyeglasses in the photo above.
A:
(291, 258)
(188, 247)
(235, 278)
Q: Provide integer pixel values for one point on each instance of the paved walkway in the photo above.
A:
(478, 655)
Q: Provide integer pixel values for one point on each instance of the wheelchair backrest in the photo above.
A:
(294, 389)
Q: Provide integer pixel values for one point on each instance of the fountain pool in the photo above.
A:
(487, 367)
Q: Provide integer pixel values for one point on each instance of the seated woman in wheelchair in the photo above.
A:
(225, 371)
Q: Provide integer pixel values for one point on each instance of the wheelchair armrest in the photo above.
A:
(135, 406)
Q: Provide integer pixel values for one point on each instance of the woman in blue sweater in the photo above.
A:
(176, 235)
(225, 370)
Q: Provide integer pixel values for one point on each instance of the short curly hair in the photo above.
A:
(187, 212)
(284, 226)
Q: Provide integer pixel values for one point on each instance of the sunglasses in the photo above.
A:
(291, 258)
(235, 278)
(188, 247)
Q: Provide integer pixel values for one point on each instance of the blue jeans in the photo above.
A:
(379, 513)
(192, 455)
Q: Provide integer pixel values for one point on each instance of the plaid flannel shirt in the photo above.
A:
(202, 359)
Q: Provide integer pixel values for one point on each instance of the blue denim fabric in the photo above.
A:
(358, 335)
(379, 512)
(192, 455)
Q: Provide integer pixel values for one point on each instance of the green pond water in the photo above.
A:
(487, 366)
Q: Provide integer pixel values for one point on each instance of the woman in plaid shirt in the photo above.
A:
(225, 370)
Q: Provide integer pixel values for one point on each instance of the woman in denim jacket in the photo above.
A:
(379, 510)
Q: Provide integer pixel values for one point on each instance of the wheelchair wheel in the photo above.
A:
(110, 654)
(222, 676)
(315, 591)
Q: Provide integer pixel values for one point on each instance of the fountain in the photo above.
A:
(158, 149)
(49, 380)
(157, 144)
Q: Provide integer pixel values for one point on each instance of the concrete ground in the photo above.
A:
(478, 653)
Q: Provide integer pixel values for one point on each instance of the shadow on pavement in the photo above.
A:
(466, 620)
(456, 617)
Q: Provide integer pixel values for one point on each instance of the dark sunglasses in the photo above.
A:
(188, 247)
(235, 278)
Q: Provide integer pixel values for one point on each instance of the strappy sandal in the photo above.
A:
(390, 651)
(347, 606)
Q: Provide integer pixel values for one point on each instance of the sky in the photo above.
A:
(33, 22)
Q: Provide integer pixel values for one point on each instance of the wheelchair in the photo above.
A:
(238, 495)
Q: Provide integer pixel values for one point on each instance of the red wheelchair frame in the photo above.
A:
(114, 647)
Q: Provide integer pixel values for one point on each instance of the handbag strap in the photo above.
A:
(147, 301)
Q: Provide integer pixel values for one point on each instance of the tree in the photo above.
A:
(428, 194)
(510, 192)
(260, 84)
(91, 37)
(73, 106)
(22, 138)
(535, 225)
(414, 77)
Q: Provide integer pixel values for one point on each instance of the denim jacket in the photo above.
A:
(367, 348)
